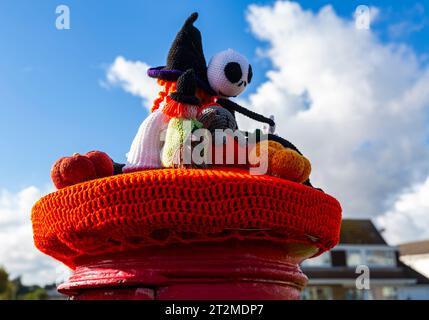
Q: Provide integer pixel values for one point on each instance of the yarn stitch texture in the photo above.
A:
(159, 207)
(145, 150)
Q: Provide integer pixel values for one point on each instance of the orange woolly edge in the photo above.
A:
(52, 234)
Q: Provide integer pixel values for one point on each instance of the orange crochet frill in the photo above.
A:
(159, 207)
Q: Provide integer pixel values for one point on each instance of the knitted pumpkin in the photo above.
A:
(281, 162)
(78, 168)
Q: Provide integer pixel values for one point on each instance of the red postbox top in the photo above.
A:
(159, 207)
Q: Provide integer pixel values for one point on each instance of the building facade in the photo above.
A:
(362, 267)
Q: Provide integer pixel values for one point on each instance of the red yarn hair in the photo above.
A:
(169, 87)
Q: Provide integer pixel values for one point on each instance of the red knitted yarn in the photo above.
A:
(158, 207)
(175, 109)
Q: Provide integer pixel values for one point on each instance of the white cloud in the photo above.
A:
(365, 128)
(17, 251)
(131, 76)
(408, 220)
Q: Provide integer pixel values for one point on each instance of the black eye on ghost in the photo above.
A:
(249, 74)
(234, 73)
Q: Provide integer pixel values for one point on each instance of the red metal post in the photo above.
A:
(229, 270)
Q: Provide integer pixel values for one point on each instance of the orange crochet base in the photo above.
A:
(158, 207)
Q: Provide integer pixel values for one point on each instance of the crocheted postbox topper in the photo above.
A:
(168, 206)
(158, 198)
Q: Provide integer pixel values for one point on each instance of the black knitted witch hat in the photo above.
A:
(185, 88)
(185, 53)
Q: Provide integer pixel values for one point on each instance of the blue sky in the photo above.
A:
(52, 103)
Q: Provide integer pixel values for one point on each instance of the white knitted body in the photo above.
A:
(145, 151)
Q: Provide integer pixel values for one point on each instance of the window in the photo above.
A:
(380, 258)
(371, 257)
(355, 257)
(356, 294)
(317, 293)
(324, 260)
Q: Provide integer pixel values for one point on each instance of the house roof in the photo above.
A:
(414, 248)
(360, 231)
(364, 232)
(411, 273)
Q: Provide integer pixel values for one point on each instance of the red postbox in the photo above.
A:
(182, 234)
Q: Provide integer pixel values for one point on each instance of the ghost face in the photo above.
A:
(229, 73)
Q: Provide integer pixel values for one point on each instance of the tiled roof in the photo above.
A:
(414, 248)
(360, 231)
(411, 273)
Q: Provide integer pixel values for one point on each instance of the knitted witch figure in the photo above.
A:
(182, 111)
(186, 52)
